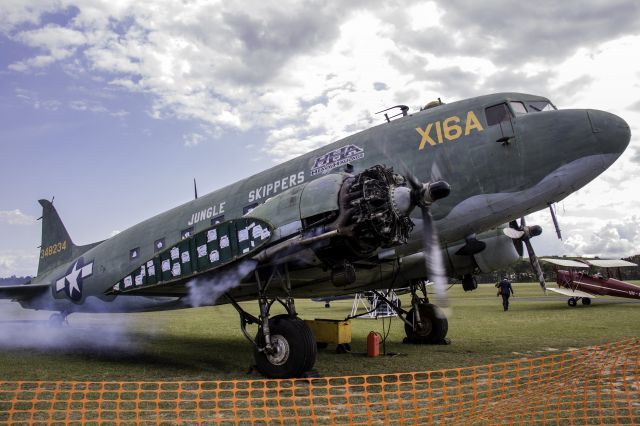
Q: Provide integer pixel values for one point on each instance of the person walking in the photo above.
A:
(505, 290)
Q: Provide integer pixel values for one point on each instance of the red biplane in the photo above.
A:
(578, 283)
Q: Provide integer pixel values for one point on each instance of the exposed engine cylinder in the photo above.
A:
(376, 204)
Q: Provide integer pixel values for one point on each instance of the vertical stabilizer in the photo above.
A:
(56, 247)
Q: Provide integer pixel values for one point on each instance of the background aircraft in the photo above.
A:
(578, 283)
(358, 214)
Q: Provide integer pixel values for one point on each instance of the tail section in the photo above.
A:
(57, 247)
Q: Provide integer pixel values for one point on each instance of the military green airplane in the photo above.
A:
(357, 214)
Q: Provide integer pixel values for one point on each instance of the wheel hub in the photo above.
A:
(280, 350)
(423, 327)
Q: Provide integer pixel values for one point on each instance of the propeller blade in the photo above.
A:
(514, 234)
(555, 220)
(535, 264)
(434, 262)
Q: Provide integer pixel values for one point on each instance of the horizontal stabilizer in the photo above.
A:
(572, 293)
(22, 291)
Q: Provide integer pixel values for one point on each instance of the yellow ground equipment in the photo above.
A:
(327, 331)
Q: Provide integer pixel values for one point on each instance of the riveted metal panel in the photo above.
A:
(321, 195)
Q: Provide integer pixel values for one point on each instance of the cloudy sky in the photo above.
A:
(114, 106)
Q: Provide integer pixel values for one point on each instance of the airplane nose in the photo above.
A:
(612, 132)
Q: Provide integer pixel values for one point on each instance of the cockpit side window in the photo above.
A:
(537, 106)
(497, 114)
(518, 108)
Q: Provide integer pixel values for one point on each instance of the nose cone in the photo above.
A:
(611, 132)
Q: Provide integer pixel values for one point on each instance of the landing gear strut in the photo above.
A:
(424, 323)
(284, 346)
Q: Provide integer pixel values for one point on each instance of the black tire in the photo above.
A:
(310, 345)
(572, 302)
(296, 349)
(57, 320)
(434, 325)
(586, 301)
(305, 331)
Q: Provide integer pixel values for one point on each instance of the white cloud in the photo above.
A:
(18, 262)
(192, 139)
(309, 75)
(15, 217)
(86, 105)
(16, 12)
(617, 238)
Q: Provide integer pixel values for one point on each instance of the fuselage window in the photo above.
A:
(497, 114)
(247, 209)
(218, 219)
(186, 233)
(158, 245)
(134, 253)
(518, 108)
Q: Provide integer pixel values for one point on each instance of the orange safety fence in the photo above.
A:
(594, 385)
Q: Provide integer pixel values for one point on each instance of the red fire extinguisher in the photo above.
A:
(373, 344)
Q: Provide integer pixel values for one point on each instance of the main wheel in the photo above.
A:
(294, 349)
(586, 301)
(57, 320)
(572, 302)
(433, 325)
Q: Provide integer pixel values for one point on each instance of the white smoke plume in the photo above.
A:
(206, 291)
(87, 333)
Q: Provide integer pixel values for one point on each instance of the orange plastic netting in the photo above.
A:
(594, 385)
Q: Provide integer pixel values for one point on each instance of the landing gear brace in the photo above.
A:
(425, 323)
(284, 346)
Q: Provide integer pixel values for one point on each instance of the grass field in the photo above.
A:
(206, 343)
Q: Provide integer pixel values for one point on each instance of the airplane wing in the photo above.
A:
(565, 262)
(610, 263)
(572, 293)
(22, 291)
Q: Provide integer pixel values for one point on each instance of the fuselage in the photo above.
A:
(505, 155)
(597, 285)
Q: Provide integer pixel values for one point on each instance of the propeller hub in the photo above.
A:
(429, 192)
(535, 230)
(439, 189)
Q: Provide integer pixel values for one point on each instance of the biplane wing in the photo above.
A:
(610, 263)
(572, 293)
(567, 263)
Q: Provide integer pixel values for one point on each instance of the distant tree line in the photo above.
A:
(13, 280)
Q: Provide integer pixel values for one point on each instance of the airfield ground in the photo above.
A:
(206, 343)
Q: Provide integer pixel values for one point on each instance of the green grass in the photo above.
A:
(206, 343)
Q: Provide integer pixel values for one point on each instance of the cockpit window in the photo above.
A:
(537, 106)
(518, 108)
(497, 114)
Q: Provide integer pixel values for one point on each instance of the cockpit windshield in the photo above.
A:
(531, 106)
(540, 106)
